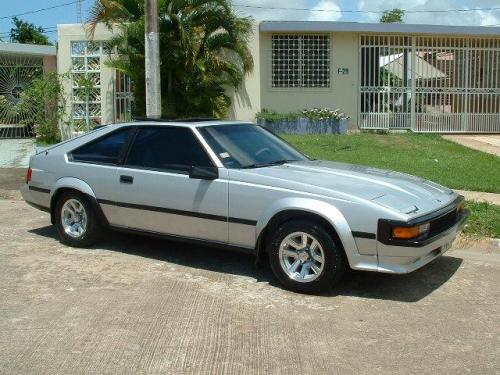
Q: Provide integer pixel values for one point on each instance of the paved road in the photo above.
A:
(135, 305)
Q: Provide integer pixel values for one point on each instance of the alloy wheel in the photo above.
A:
(301, 257)
(74, 218)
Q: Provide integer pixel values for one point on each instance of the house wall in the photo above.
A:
(49, 64)
(246, 101)
(78, 32)
(343, 90)
(256, 91)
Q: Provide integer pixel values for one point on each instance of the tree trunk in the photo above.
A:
(170, 85)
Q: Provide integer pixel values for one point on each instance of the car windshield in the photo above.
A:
(248, 146)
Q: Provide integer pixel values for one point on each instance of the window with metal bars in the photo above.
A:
(124, 97)
(86, 59)
(301, 61)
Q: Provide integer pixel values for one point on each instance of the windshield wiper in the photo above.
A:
(261, 165)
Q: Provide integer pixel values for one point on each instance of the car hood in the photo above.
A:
(402, 192)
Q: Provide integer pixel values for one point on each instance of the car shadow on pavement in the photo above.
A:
(411, 287)
(402, 288)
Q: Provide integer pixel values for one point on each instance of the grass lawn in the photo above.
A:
(484, 220)
(425, 155)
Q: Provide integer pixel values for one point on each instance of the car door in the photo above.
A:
(156, 193)
(96, 162)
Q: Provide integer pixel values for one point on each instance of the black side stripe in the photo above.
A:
(40, 190)
(237, 220)
(370, 236)
(222, 245)
(200, 215)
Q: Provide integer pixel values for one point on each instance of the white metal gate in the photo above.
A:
(429, 84)
(17, 72)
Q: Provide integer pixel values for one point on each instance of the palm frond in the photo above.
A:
(203, 48)
(108, 12)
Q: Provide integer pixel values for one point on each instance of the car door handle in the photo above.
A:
(126, 179)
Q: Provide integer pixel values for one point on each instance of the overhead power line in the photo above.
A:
(39, 10)
(47, 30)
(271, 8)
(79, 12)
(486, 9)
(365, 11)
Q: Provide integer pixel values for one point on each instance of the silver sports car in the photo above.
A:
(237, 185)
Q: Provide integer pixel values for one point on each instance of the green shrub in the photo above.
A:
(44, 103)
(268, 115)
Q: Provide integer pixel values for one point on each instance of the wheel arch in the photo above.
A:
(66, 184)
(323, 213)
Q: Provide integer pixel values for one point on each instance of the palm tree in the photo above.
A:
(203, 51)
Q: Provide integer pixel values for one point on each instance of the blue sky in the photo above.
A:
(68, 14)
(45, 19)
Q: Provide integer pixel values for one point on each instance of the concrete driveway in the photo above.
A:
(15, 153)
(487, 143)
(134, 305)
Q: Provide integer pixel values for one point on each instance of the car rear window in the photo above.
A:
(104, 150)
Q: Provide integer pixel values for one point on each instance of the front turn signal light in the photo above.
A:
(407, 233)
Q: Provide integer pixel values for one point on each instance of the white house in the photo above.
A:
(427, 78)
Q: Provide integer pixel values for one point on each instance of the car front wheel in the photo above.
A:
(77, 221)
(305, 258)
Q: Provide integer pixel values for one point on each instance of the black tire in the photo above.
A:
(334, 264)
(94, 227)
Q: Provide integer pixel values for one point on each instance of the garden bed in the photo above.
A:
(306, 126)
(308, 121)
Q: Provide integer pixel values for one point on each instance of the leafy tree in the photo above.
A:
(395, 15)
(26, 32)
(203, 52)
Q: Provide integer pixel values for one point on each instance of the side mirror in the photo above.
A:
(204, 173)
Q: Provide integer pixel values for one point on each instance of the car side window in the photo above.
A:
(167, 148)
(106, 150)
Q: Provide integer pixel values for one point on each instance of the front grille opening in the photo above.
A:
(443, 223)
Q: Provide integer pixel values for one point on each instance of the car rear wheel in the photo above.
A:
(305, 258)
(77, 221)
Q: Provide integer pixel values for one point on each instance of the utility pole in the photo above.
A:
(79, 17)
(152, 63)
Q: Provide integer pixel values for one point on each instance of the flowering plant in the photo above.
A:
(324, 114)
(311, 114)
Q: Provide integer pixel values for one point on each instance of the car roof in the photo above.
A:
(182, 123)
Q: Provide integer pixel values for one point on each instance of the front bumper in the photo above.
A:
(404, 259)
